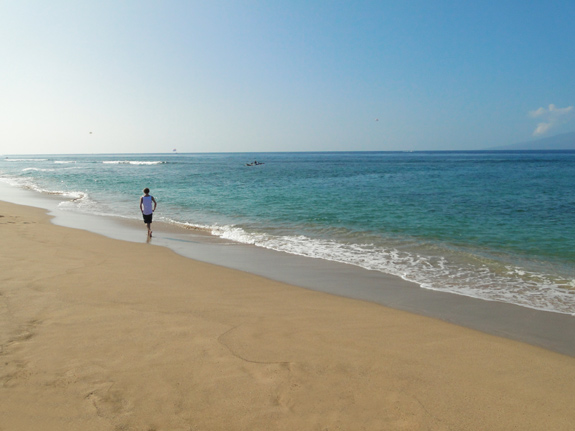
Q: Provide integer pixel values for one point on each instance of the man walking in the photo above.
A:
(148, 206)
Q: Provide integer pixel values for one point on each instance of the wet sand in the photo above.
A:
(102, 334)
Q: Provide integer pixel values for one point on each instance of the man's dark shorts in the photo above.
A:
(147, 218)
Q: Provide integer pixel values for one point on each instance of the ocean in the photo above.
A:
(498, 226)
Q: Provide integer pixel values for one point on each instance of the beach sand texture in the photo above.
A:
(100, 334)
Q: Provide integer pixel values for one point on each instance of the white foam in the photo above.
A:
(132, 162)
(21, 182)
(489, 281)
(78, 201)
(25, 160)
(37, 170)
(29, 184)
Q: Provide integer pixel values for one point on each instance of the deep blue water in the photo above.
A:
(493, 225)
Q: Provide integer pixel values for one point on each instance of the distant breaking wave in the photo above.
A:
(37, 170)
(25, 160)
(131, 162)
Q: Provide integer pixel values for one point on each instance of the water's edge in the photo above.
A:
(552, 331)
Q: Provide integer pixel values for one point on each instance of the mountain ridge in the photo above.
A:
(563, 141)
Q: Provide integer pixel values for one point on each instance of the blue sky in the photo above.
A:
(151, 76)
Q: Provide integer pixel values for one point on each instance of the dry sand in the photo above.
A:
(100, 334)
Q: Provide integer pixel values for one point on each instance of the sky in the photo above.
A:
(251, 76)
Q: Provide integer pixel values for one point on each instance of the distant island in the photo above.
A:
(564, 141)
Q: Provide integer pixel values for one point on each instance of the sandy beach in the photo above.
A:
(102, 334)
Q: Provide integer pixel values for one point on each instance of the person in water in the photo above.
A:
(148, 206)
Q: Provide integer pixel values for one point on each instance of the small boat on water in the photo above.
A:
(255, 163)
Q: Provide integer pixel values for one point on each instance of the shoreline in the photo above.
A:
(104, 334)
(553, 331)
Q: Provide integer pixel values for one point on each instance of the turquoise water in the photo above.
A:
(492, 225)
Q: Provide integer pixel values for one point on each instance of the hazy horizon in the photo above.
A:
(520, 146)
